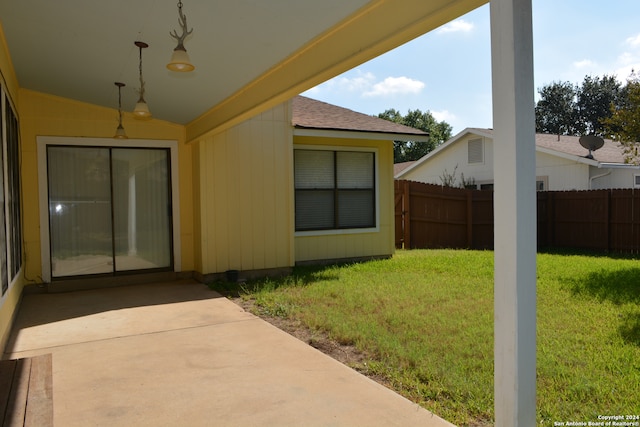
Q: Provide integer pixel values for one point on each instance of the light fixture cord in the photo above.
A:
(141, 80)
(120, 105)
(182, 20)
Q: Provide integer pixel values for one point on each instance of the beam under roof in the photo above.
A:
(375, 29)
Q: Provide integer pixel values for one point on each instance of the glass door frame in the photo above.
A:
(44, 141)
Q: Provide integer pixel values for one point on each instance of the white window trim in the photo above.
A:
(545, 181)
(6, 102)
(636, 177)
(43, 194)
(483, 182)
(375, 229)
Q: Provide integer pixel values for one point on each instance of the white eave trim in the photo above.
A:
(467, 131)
(380, 136)
(618, 166)
(579, 159)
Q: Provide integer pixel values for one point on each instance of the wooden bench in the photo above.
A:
(26, 394)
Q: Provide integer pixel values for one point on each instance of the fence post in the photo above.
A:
(551, 224)
(469, 219)
(607, 218)
(406, 216)
(635, 248)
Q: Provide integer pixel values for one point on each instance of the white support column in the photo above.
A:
(514, 213)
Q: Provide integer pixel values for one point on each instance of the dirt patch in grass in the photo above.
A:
(346, 354)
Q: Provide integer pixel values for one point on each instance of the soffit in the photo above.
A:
(249, 54)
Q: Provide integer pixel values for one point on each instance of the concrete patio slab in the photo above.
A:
(178, 354)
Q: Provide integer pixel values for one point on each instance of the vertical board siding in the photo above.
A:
(625, 220)
(581, 220)
(244, 191)
(283, 199)
(432, 216)
(482, 219)
(243, 205)
(399, 213)
(197, 153)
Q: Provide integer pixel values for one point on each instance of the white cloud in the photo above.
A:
(365, 84)
(457, 26)
(634, 41)
(623, 73)
(627, 58)
(443, 115)
(627, 62)
(313, 91)
(584, 63)
(359, 83)
(395, 86)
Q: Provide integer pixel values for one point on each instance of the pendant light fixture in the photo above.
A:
(180, 59)
(141, 111)
(120, 133)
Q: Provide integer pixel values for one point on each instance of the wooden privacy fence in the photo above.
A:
(432, 216)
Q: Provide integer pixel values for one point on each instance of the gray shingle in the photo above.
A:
(611, 151)
(312, 114)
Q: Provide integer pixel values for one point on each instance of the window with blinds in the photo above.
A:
(334, 189)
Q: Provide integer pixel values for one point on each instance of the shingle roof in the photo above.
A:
(312, 114)
(611, 151)
(399, 167)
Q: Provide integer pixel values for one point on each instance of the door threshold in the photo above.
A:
(87, 282)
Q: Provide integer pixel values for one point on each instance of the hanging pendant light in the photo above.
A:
(141, 110)
(180, 59)
(120, 133)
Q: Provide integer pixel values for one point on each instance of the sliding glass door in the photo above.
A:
(109, 210)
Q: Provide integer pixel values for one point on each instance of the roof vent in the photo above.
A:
(474, 151)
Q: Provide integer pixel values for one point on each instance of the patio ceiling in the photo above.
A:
(249, 54)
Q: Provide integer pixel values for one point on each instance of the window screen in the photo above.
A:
(334, 189)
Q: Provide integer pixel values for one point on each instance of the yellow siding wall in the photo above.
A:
(244, 213)
(355, 245)
(41, 114)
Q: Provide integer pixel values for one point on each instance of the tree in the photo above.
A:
(405, 151)
(595, 97)
(567, 109)
(623, 125)
(557, 110)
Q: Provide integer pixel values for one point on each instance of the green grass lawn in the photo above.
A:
(425, 318)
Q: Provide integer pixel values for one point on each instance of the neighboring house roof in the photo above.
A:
(312, 114)
(399, 167)
(611, 153)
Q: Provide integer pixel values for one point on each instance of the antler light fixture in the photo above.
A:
(120, 133)
(141, 110)
(180, 59)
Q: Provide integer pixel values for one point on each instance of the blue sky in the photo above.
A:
(448, 71)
